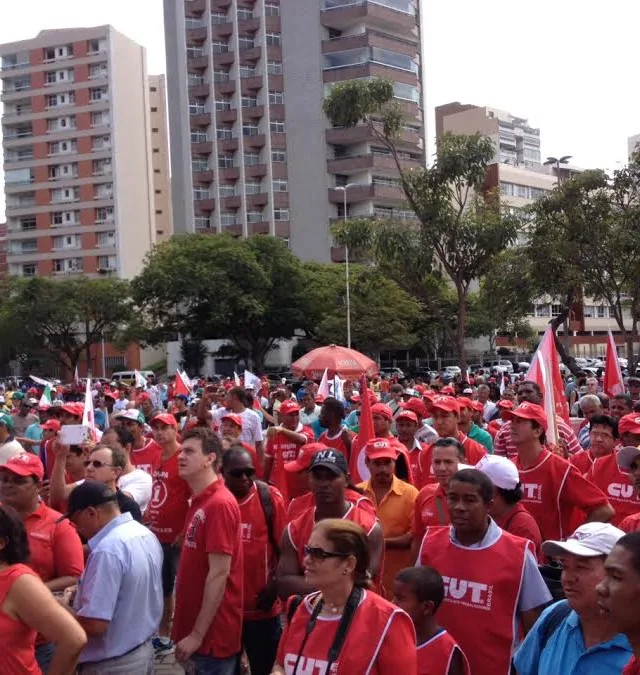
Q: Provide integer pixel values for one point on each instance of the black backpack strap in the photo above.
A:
(552, 622)
(269, 513)
(294, 603)
(343, 628)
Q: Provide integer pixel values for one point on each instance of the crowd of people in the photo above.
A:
(426, 527)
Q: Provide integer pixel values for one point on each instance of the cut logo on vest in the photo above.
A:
(532, 492)
(246, 532)
(308, 666)
(468, 593)
(620, 491)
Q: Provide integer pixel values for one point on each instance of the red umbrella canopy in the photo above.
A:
(347, 363)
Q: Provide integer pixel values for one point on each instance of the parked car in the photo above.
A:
(390, 372)
(451, 370)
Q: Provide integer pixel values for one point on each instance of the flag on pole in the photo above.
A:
(545, 372)
(358, 468)
(338, 389)
(251, 381)
(502, 387)
(76, 378)
(141, 382)
(323, 389)
(613, 382)
(88, 416)
(236, 379)
(180, 386)
(40, 381)
(45, 399)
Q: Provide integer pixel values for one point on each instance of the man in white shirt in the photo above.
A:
(251, 426)
(9, 447)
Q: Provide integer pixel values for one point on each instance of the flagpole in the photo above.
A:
(104, 369)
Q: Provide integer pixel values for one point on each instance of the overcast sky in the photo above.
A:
(568, 66)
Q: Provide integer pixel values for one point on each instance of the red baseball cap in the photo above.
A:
(407, 415)
(505, 404)
(447, 391)
(165, 418)
(465, 402)
(629, 424)
(445, 403)
(144, 397)
(75, 409)
(305, 456)
(477, 406)
(232, 417)
(532, 412)
(51, 425)
(383, 410)
(380, 448)
(415, 406)
(289, 407)
(25, 464)
(355, 397)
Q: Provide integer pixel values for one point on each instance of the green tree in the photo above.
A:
(249, 291)
(460, 228)
(193, 354)
(66, 317)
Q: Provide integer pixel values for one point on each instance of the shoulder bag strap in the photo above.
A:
(269, 514)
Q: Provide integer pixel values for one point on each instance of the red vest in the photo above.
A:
(435, 655)
(481, 595)
(621, 494)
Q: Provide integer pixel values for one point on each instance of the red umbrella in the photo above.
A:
(347, 363)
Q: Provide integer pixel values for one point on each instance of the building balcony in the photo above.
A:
(220, 4)
(372, 38)
(255, 170)
(251, 54)
(228, 145)
(254, 141)
(223, 59)
(369, 69)
(221, 30)
(205, 205)
(260, 199)
(195, 6)
(201, 119)
(257, 112)
(262, 227)
(226, 116)
(228, 87)
(196, 35)
(230, 203)
(356, 163)
(363, 193)
(248, 25)
(272, 24)
(202, 148)
(278, 141)
(282, 229)
(251, 84)
(342, 136)
(199, 90)
(281, 200)
(380, 14)
(197, 63)
(229, 175)
(203, 177)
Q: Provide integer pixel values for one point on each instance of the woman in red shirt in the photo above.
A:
(28, 608)
(343, 628)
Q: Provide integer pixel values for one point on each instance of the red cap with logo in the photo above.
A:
(289, 407)
(232, 417)
(305, 456)
(446, 404)
(25, 464)
(504, 404)
(165, 418)
(465, 402)
(380, 448)
(629, 424)
(407, 415)
(75, 409)
(529, 411)
(382, 410)
(416, 406)
(51, 425)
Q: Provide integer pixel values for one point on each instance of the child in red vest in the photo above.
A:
(419, 592)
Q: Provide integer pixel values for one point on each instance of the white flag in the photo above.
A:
(338, 388)
(88, 416)
(141, 382)
(323, 389)
(251, 381)
(236, 379)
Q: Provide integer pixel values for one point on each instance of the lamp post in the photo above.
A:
(557, 161)
(344, 189)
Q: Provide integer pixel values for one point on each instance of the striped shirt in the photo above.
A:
(502, 444)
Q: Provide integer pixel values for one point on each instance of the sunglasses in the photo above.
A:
(95, 463)
(239, 473)
(317, 553)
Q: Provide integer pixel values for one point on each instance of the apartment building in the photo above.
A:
(251, 149)
(77, 154)
(163, 212)
(3, 249)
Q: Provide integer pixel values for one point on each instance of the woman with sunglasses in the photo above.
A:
(27, 608)
(343, 628)
(263, 520)
(55, 549)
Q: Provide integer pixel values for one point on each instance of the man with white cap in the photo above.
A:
(573, 636)
(629, 461)
(507, 510)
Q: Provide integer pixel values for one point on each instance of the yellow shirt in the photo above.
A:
(395, 512)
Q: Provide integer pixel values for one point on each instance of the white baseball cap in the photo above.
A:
(588, 541)
(502, 471)
(626, 456)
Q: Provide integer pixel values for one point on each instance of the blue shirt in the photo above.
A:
(34, 433)
(122, 584)
(565, 652)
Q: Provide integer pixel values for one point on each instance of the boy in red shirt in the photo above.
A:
(207, 625)
(419, 591)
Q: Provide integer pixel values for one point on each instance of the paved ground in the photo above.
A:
(168, 666)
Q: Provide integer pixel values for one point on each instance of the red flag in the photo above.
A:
(613, 382)
(357, 468)
(545, 372)
(180, 386)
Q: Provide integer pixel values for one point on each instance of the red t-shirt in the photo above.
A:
(336, 442)
(633, 667)
(473, 453)
(431, 510)
(630, 523)
(300, 505)
(582, 460)
(259, 557)
(283, 449)
(521, 523)
(213, 526)
(435, 655)
(17, 640)
(170, 494)
(616, 485)
(552, 489)
(148, 457)
(380, 640)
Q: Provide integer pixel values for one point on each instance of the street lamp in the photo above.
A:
(557, 161)
(344, 189)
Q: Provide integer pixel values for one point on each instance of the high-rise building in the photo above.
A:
(77, 154)
(632, 144)
(160, 158)
(251, 149)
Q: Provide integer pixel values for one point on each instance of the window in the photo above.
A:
(57, 100)
(271, 9)
(67, 265)
(406, 92)
(96, 46)
(249, 102)
(27, 224)
(224, 133)
(274, 39)
(281, 214)
(227, 219)
(276, 126)
(247, 71)
(250, 130)
(29, 269)
(53, 53)
(245, 42)
(225, 161)
(154, 130)
(386, 181)
(279, 185)
(227, 190)
(202, 222)
(218, 18)
(101, 142)
(24, 246)
(220, 75)
(63, 171)
(100, 118)
(253, 188)
(67, 242)
(244, 13)
(254, 216)
(19, 177)
(556, 310)
(65, 218)
(274, 67)
(101, 167)
(222, 104)
(219, 47)
(65, 195)
(104, 214)
(103, 191)
(156, 150)
(154, 109)
(251, 158)
(603, 312)
(276, 97)
(98, 94)
(62, 147)
(61, 123)
(108, 263)
(106, 239)
(97, 70)
(278, 156)
(542, 311)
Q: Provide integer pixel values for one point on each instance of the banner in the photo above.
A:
(358, 468)
(613, 382)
